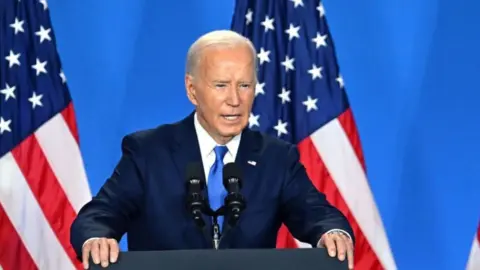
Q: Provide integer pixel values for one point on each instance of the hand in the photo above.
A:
(103, 251)
(338, 244)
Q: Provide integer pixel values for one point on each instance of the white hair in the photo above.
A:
(218, 38)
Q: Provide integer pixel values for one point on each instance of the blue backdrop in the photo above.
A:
(410, 67)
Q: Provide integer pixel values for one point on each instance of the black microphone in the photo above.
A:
(195, 185)
(234, 201)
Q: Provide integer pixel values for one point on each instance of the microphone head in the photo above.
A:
(195, 176)
(232, 176)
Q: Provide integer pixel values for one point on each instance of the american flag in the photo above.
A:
(42, 179)
(300, 97)
(474, 258)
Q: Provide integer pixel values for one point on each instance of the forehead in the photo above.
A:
(237, 59)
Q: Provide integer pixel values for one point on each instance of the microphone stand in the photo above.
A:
(217, 235)
(216, 232)
(231, 218)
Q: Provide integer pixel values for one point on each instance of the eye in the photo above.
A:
(245, 85)
(220, 85)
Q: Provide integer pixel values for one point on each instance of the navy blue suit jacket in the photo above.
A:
(145, 196)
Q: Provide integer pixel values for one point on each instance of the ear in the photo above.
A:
(190, 87)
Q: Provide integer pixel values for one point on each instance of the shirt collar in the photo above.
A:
(207, 143)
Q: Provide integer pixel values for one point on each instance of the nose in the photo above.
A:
(233, 97)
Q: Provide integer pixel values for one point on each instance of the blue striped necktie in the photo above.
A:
(216, 190)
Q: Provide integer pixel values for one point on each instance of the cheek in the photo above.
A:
(211, 100)
(215, 106)
(247, 98)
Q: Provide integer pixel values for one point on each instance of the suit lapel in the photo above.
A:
(185, 150)
(185, 147)
(248, 159)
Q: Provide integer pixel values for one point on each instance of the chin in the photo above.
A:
(232, 131)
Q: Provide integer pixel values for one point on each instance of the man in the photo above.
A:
(145, 196)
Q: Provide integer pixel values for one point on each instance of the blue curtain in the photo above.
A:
(410, 68)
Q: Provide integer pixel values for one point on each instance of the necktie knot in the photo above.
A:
(220, 152)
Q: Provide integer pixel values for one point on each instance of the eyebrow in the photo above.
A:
(221, 81)
(227, 81)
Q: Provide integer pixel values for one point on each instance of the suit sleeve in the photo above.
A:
(108, 213)
(306, 211)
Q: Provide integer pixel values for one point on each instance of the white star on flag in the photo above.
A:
(44, 34)
(253, 120)
(292, 32)
(248, 16)
(321, 10)
(340, 81)
(297, 3)
(288, 63)
(17, 26)
(281, 128)
(13, 59)
(268, 24)
(316, 72)
(35, 100)
(284, 95)
(63, 77)
(40, 67)
(8, 91)
(263, 56)
(320, 40)
(259, 89)
(310, 103)
(4, 125)
(44, 4)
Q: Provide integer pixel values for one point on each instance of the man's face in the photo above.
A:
(223, 90)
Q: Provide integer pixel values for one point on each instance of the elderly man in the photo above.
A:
(145, 196)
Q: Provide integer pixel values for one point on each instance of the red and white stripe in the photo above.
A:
(43, 185)
(474, 258)
(334, 161)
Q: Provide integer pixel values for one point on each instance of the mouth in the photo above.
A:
(231, 117)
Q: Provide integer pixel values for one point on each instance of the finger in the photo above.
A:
(114, 250)
(330, 245)
(350, 253)
(86, 254)
(95, 251)
(104, 252)
(341, 246)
